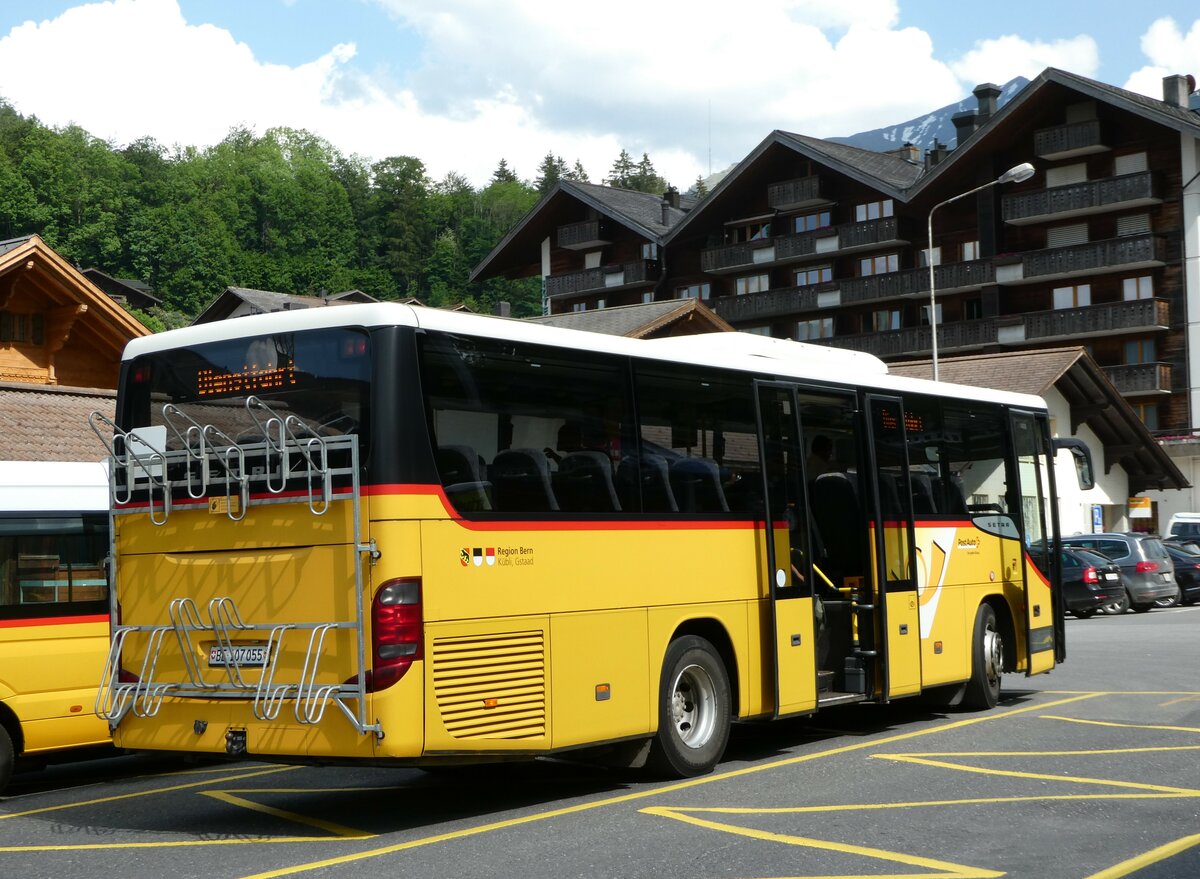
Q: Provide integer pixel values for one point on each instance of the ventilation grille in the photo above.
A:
(492, 686)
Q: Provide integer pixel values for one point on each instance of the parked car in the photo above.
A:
(1184, 525)
(1146, 567)
(1187, 572)
(1090, 581)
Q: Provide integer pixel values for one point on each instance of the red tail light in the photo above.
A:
(1090, 575)
(1146, 567)
(396, 627)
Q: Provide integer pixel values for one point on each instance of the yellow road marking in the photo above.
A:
(144, 793)
(640, 795)
(331, 827)
(1123, 725)
(1151, 857)
(1193, 698)
(945, 869)
(1037, 776)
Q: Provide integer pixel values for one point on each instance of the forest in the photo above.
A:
(284, 211)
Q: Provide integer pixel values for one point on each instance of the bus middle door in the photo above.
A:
(894, 568)
(789, 562)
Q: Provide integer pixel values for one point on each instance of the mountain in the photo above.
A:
(922, 131)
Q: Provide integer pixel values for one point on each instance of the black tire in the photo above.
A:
(1172, 601)
(987, 661)
(694, 712)
(7, 758)
(1142, 608)
(1119, 606)
(1084, 614)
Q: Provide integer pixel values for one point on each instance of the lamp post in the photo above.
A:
(1016, 174)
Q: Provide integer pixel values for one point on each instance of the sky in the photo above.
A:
(460, 84)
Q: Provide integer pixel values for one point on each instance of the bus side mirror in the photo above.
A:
(1082, 456)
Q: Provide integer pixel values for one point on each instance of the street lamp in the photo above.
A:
(1016, 174)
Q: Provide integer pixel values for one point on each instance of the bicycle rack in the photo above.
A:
(210, 464)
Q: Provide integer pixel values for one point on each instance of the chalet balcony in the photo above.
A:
(1087, 321)
(1081, 199)
(1138, 379)
(1067, 141)
(587, 235)
(834, 241)
(915, 341)
(642, 272)
(789, 195)
(785, 302)
(1095, 257)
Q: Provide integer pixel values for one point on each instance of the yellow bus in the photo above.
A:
(394, 535)
(54, 610)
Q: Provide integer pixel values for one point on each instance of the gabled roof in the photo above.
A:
(642, 212)
(137, 293)
(266, 301)
(647, 320)
(1093, 400)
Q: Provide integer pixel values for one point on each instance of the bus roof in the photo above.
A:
(740, 351)
(58, 486)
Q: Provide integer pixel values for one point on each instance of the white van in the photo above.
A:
(1184, 525)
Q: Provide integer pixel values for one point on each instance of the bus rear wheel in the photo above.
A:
(987, 661)
(693, 710)
(7, 758)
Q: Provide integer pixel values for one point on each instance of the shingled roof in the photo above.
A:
(50, 423)
(1092, 398)
(648, 320)
(267, 301)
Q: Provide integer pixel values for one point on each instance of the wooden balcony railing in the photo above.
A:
(1079, 258)
(589, 233)
(788, 301)
(1081, 198)
(603, 278)
(916, 340)
(1097, 320)
(1076, 138)
(789, 247)
(792, 193)
(1141, 378)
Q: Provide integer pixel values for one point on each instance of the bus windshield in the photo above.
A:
(320, 376)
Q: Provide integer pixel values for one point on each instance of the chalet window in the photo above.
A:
(694, 291)
(873, 210)
(811, 222)
(1072, 297)
(22, 329)
(600, 303)
(1130, 163)
(1065, 175)
(1134, 224)
(579, 306)
(650, 251)
(1140, 351)
(814, 275)
(759, 331)
(925, 314)
(884, 319)
(970, 250)
(749, 232)
(816, 328)
(1065, 236)
(972, 309)
(1138, 288)
(752, 284)
(591, 260)
(1148, 413)
(924, 258)
(878, 265)
(647, 297)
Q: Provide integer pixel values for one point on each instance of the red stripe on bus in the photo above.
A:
(54, 621)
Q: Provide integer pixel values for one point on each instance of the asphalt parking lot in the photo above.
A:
(1090, 772)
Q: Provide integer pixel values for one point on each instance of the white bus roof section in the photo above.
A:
(741, 351)
(53, 486)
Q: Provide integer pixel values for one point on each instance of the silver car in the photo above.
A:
(1146, 567)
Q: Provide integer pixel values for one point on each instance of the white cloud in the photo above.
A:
(999, 60)
(679, 79)
(1169, 51)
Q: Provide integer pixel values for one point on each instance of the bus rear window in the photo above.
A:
(53, 565)
(321, 377)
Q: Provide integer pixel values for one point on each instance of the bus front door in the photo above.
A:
(789, 563)
(1035, 475)
(894, 565)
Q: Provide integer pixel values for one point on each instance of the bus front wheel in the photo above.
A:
(693, 709)
(987, 661)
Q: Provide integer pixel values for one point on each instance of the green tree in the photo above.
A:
(645, 178)
(700, 188)
(401, 212)
(622, 171)
(550, 171)
(503, 174)
(578, 173)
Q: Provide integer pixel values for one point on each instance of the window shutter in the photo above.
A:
(1134, 224)
(1064, 236)
(1130, 163)
(1065, 175)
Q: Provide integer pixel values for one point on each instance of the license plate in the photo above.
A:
(1165, 576)
(240, 655)
(1111, 576)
